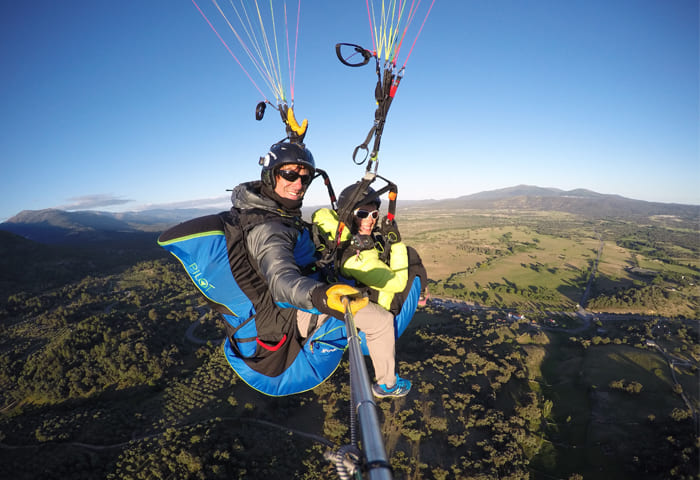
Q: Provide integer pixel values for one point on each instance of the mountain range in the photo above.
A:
(579, 201)
(55, 226)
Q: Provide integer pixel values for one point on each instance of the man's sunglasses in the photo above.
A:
(362, 214)
(291, 176)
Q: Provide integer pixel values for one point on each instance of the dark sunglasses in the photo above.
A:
(362, 214)
(291, 176)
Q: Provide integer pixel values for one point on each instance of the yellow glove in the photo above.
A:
(336, 292)
(329, 299)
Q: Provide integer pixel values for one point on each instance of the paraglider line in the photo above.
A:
(292, 68)
(371, 27)
(419, 32)
(229, 50)
(296, 42)
(289, 66)
(411, 14)
(265, 69)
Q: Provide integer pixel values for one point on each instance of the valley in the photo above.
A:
(518, 373)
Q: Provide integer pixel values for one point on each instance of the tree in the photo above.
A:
(679, 414)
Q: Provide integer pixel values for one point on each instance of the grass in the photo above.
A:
(480, 259)
(623, 361)
(588, 429)
(614, 261)
(541, 261)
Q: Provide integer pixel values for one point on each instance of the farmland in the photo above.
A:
(543, 262)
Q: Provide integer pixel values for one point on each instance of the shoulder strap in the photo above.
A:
(277, 336)
(250, 218)
(270, 319)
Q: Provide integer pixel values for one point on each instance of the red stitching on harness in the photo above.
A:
(269, 347)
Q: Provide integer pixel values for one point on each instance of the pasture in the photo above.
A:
(542, 261)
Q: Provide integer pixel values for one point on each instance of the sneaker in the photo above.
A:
(423, 298)
(401, 388)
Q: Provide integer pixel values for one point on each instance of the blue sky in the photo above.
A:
(131, 105)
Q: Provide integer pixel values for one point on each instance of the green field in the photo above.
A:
(593, 423)
(542, 262)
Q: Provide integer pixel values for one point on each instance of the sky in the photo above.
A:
(132, 105)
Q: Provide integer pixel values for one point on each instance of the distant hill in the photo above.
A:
(62, 227)
(55, 226)
(82, 220)
(157, 220)
(579, 201)
(12, 245)
(58, 226)
(31, 266)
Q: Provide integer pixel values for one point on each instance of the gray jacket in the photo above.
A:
(280, 248)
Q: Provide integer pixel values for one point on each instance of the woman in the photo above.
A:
(361, 261)
(363, 245)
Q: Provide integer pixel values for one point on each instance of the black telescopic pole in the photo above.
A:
(377, 464)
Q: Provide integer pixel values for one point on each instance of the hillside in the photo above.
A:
(100, 381)
(62, 227)
(579, 202)
(54, 226)
(112, 365)
(33, 267)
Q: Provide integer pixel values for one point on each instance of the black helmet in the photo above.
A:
(347, 192)
(283, 154)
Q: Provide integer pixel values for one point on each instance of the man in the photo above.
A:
(281, 249)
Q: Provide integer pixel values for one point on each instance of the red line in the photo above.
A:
(411, 14)
(371, 28)
(289, 58)
(418, 34)
(296, 41)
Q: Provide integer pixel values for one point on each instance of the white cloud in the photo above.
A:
(221, 201)
(97, 200)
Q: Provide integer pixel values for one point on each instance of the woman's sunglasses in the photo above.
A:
(362, 214)
(291, 176)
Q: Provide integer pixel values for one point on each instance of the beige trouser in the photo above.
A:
(378, 326)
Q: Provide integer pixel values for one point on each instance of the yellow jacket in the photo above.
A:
(366, 267)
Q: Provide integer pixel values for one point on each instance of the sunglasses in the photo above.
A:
(362, 214)
(291, 176)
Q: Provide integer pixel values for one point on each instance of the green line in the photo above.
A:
(190, 237)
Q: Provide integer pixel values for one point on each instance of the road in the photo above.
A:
(189, 334)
